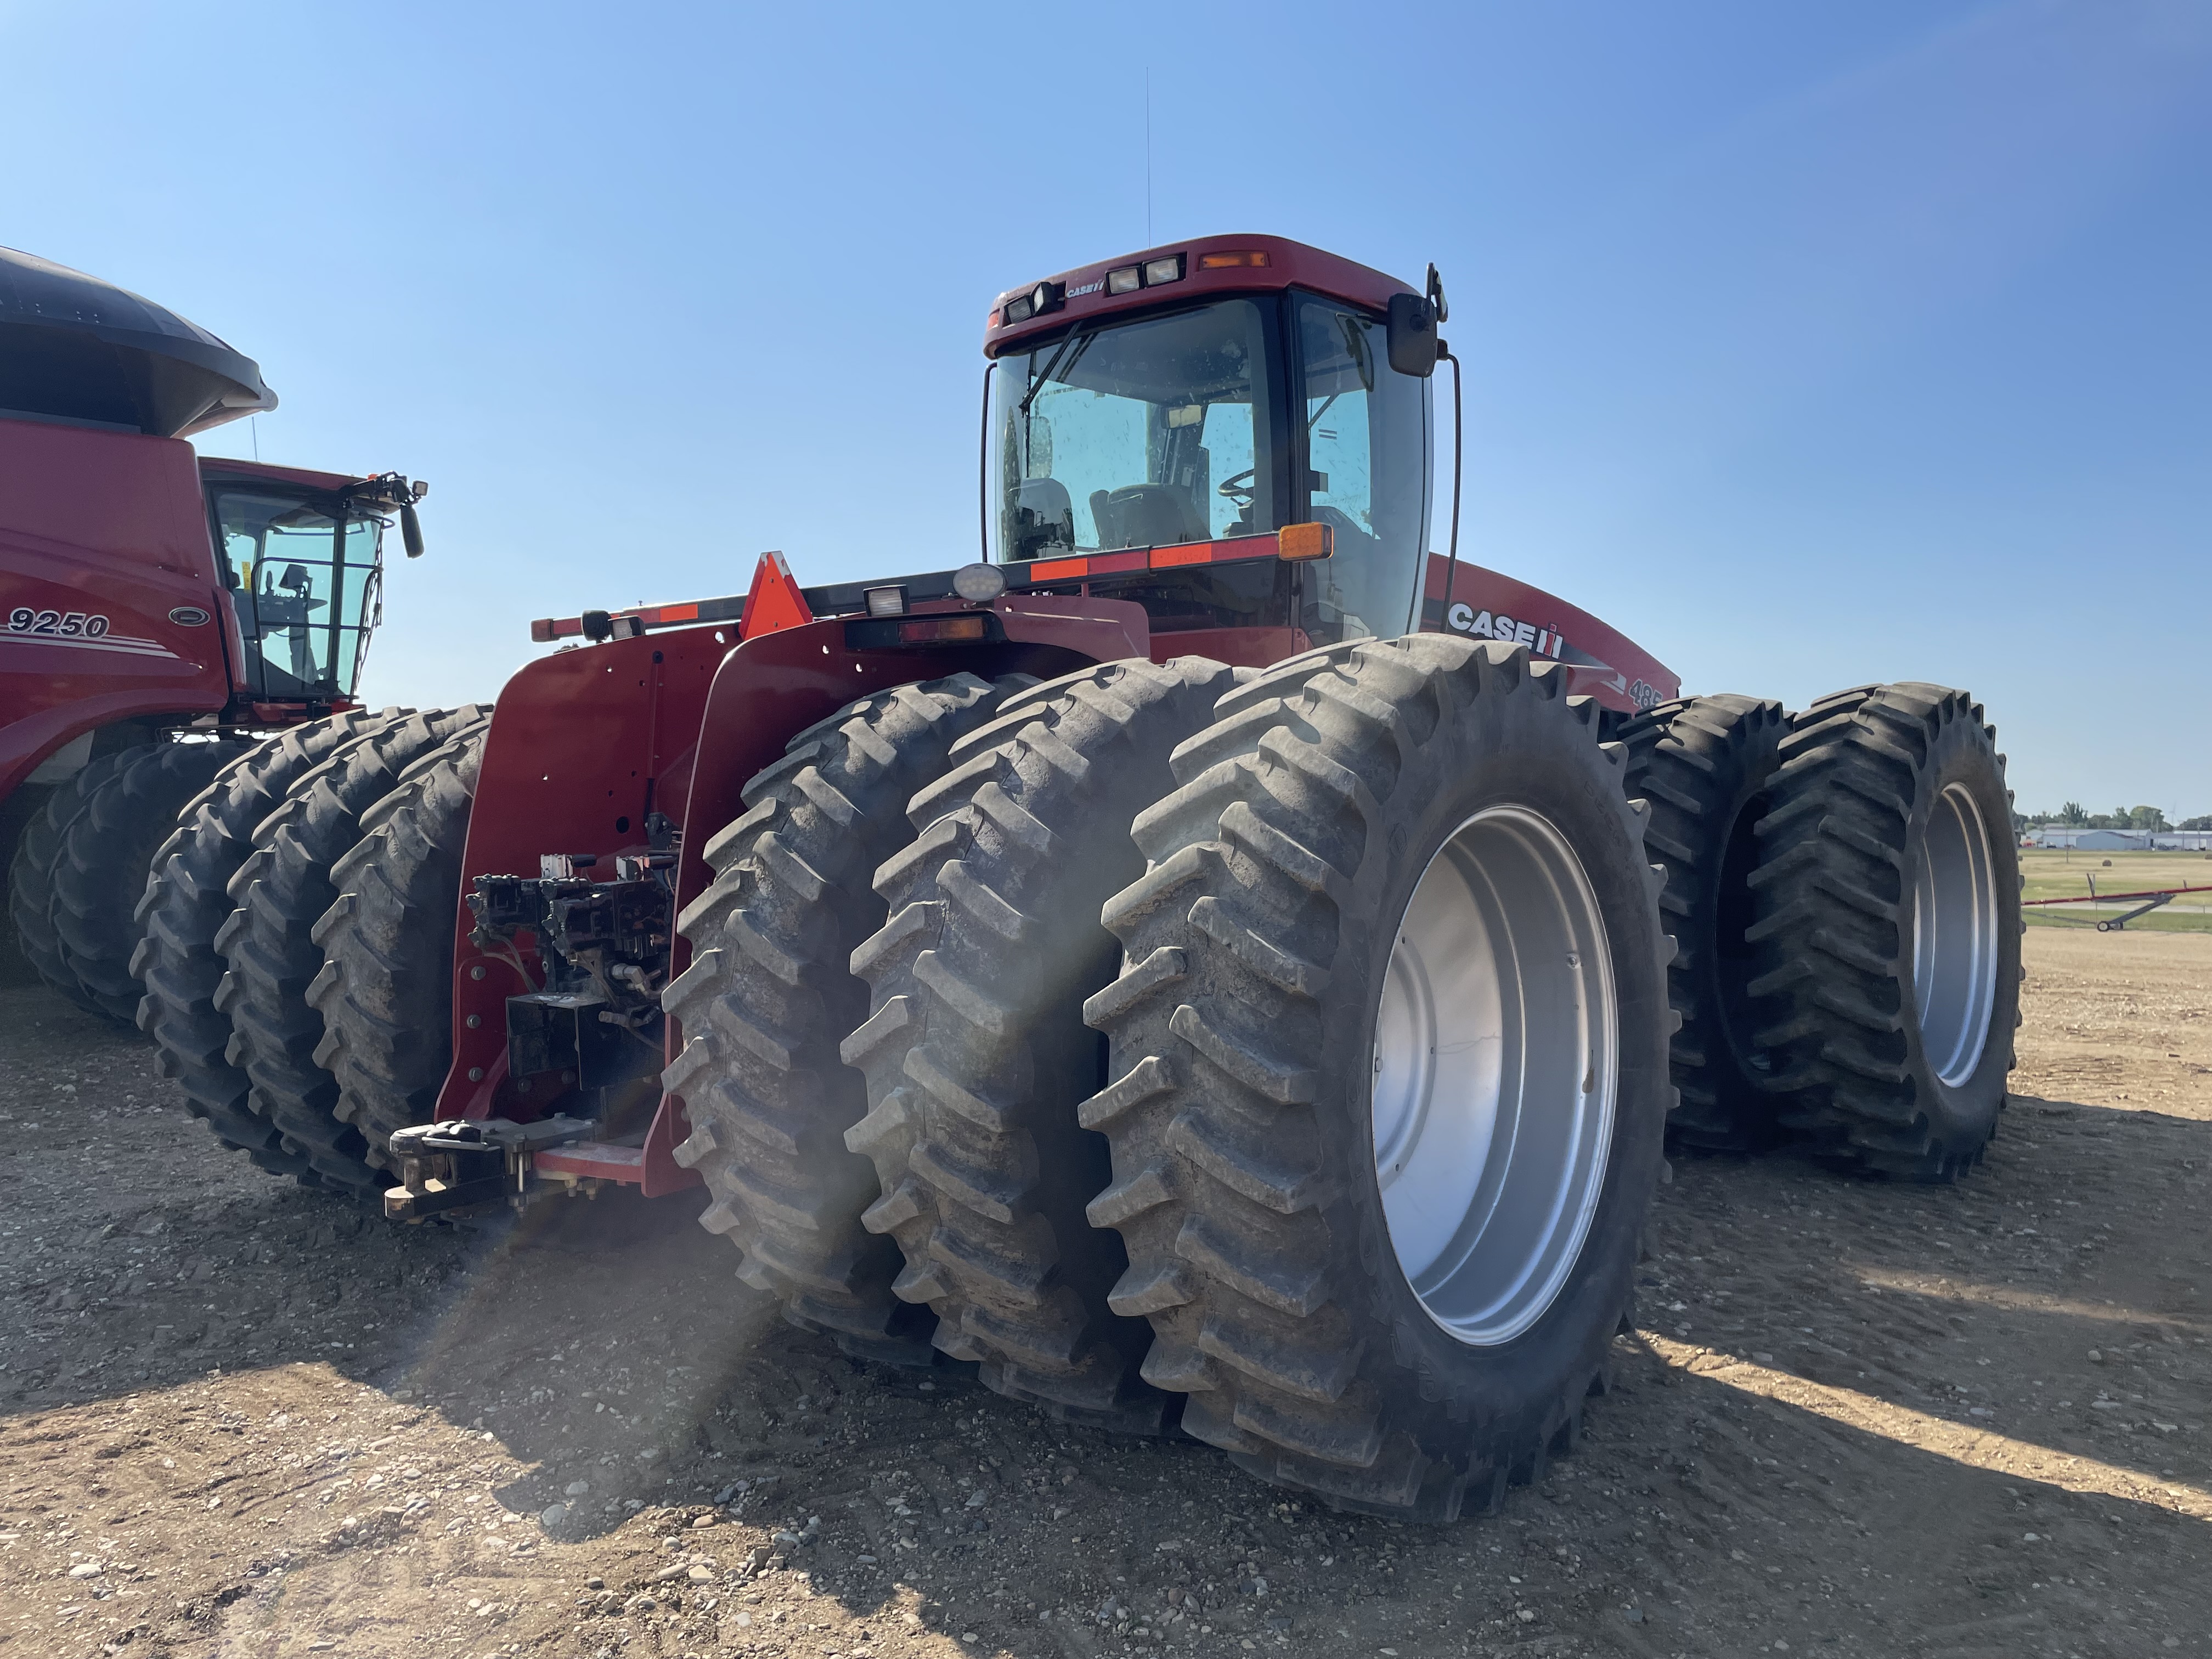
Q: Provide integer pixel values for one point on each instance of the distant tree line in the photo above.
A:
(2075, 816)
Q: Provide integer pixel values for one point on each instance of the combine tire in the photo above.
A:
(1390, 1064)
(107, 852)
(281, 890)
(186, 902)
(770, 991)
(976, 1054)
(386, 990)
(1888, 893)
(1702, 762)
(31, 879)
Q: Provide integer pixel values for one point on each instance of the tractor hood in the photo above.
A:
(75, 349)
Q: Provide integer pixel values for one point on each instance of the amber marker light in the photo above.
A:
(936, 629)
(1195, 553)
(1232, 258)
(1306, 541)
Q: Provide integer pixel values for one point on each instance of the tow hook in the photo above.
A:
(466, 1162)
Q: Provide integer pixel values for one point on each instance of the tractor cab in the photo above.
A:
(1183, 400)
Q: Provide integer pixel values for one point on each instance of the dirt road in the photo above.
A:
(236, 1419)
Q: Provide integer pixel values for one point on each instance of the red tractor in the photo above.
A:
(1208, 963)
(162, 612)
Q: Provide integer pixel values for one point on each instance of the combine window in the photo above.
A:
(306, 575)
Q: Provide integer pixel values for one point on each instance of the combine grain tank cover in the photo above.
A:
(75, 349)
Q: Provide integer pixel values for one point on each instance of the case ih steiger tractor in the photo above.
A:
(1207, 963)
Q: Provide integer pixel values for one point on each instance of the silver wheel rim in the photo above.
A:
(1954, 937)
(1495, 1067)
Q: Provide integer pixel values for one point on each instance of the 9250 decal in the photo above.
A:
(68, 624)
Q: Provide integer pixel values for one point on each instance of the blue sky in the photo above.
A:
(1809, 345)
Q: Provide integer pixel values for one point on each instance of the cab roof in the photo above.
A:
(1271, 264)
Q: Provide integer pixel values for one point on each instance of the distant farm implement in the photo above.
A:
(2152, 898)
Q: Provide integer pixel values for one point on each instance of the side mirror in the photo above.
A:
(1413, 335)
(410, 529)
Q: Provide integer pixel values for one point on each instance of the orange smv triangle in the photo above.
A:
(775, 602)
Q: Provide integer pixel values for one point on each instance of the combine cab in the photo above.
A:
(1209, 963)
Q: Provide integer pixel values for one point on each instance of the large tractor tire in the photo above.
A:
(1389, 1072)
(1888, 893)
(31, 877)
(1703, 763)
(977, 1055)
(187, 900)
(281, 890)
(385, 989)
(770, 991)
(107, 852)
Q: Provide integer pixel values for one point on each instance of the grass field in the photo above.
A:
(2050, 872)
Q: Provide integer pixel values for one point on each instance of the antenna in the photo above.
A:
(1148, 155)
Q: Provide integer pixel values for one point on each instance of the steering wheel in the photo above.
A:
(1238, 489)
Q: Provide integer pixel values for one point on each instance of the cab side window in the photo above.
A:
(1367, 472)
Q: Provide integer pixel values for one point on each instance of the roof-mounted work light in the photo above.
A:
(1045, 296)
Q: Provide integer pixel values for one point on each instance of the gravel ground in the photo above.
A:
(239, 1419)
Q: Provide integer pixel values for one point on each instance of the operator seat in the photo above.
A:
(1044, 518)
(1145, 515)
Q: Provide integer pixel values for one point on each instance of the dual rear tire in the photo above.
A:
(1846, 888)
(1388, 1073)
(1195, 1211)
(82, 866)
(186, 902)
(233, 923)
(1887, 930)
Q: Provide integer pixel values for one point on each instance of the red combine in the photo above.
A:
(1209, 963)
(159, 608)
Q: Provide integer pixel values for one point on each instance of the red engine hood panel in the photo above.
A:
(1486, 605)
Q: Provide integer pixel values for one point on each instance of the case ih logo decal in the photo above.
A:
(1546, 641)
(1466, 619)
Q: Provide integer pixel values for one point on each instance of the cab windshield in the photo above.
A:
(1144, 434)
(1230, 418)
(306, 575)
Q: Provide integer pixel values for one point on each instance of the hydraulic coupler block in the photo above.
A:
(563, 1031)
